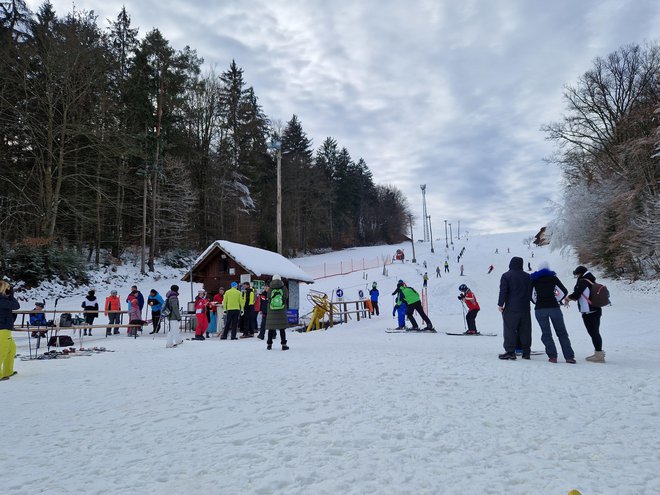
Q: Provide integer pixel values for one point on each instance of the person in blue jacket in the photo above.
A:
(400, 306)
(373, 295)
(156, 301)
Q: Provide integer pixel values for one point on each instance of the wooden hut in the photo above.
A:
(224, 262)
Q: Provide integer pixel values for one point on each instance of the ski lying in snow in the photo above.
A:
(532, 353)
(409, 330)
(473, 334)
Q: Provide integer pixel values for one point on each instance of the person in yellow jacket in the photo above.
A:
(233, 305)
(8, 304)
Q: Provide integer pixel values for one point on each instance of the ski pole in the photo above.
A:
(463, 306)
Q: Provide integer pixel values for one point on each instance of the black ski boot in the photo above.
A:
(508, 355)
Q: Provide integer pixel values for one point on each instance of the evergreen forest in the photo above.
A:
(112, 141)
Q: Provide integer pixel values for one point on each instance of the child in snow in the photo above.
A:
(201, 305)
(467, 296)
(38, 319)
(373, 296)
(134, 316)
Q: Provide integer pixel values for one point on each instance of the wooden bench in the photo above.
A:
(52, 331)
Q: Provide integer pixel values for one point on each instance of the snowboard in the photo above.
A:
(472, 334)
(409, 330)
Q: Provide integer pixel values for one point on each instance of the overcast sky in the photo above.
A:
(447, 93)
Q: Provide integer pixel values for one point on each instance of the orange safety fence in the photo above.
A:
(345, 267)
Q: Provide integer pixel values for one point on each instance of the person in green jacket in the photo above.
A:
(233, 306)
(411, 297)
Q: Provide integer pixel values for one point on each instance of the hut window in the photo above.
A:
(223, 265)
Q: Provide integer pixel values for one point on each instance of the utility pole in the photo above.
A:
(426, 229)
(451, 236)
(431, 234)
(279, 197)
(277, 146)
(412, 238)
(459, 229)
(446, 241)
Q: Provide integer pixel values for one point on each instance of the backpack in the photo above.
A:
(276, 299)
(66, 320)
(61, 341)
(599, 295)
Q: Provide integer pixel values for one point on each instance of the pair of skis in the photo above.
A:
(412, 330)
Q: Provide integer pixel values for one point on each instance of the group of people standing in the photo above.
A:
(519, 289)
(230, 310)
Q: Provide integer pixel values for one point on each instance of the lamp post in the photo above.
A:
(277, 146)
(412, 238)
(446, 241)
(451, 236)
(459, 229)
(431, 234)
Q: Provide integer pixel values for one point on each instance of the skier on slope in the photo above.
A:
(411, 297)
(467, 296)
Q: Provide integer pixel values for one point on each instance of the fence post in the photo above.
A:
(357, 308)
(332, 320)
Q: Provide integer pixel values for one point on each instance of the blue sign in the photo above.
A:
(292, 316)
(340, 293)
(361, 294)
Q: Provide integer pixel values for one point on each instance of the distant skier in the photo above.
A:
(446, 266)
(497, 251)
(467, 296)
(461, 270)
(529, 266)
(437, 272)
(373, 297)
(490, 269)
(425, 279)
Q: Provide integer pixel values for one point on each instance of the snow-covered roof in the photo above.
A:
(258, 261)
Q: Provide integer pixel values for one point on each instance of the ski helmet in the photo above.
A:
(463, 288)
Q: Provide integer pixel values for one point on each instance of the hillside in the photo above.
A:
(352, 409)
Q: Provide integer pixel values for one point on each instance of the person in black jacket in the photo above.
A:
(514, 304)
(8, 304)
(590, 314)
(547, 293)
(91, 306)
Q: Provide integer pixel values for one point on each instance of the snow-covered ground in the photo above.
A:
(353, 409)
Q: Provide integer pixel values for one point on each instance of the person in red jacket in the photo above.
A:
(112, 303)
(467, 296)
(201, 305)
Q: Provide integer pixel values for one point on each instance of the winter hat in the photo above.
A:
(374, 284)
(91, 292)
(580, 270)
(113, 292)
(277, 277)
(234, 285)
(40, 304)
(175, 288)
